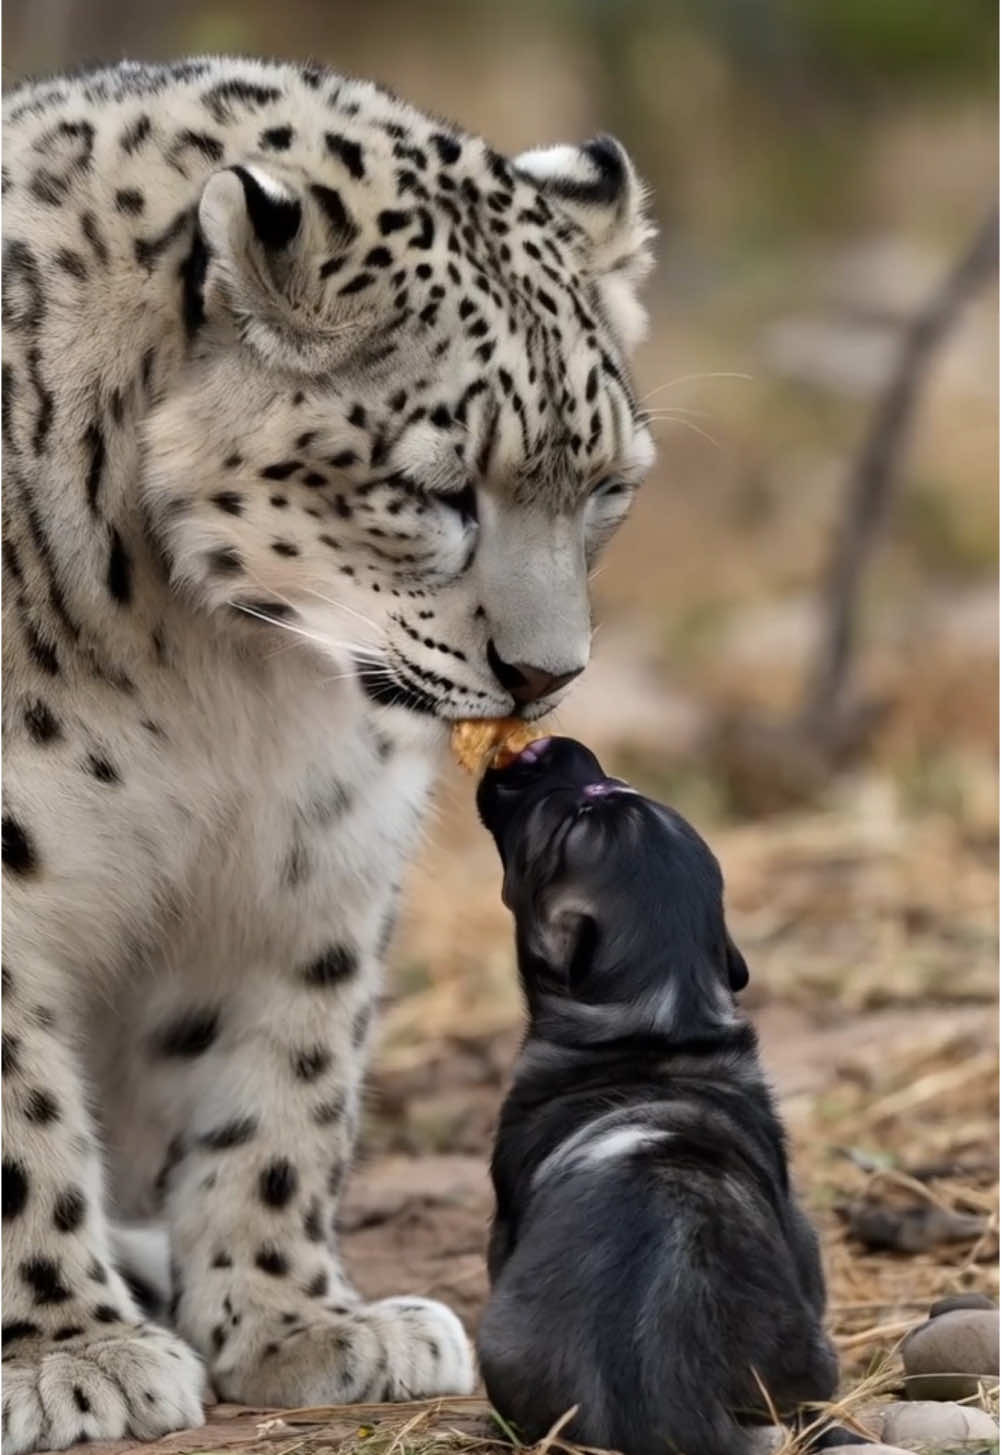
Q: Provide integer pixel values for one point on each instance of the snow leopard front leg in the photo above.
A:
(252, 1186)
(78, 1362)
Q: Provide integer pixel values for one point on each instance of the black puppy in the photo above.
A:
(648, 1261)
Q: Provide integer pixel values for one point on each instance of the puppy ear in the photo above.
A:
(565, 943)
(584, 949)
(736, 967)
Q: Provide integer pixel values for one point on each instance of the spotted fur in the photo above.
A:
(316, 411)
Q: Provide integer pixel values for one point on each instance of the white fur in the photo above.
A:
(620, 1143)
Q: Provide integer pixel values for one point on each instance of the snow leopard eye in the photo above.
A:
(606, 489)
(463, 502)
(606, 507)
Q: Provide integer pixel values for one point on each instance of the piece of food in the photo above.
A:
(491, 742)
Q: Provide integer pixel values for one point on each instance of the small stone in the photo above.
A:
(959, 1300)
(869, 1450)
(934, 1421)
(951, 1355)
(767, 1439)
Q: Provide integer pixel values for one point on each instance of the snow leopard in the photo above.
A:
(317, 411)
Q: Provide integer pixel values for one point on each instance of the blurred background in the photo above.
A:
(821, 372)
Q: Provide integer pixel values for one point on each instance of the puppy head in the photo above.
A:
(617, 900)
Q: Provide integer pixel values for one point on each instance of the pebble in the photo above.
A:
(948, 1357)
(868, 1449)
(767, 1439)
(934, 1421)
(953, 1301)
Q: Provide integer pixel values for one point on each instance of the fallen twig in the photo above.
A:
(877, 1334)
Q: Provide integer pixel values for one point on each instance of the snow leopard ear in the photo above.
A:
(264, 246)
(597, 185)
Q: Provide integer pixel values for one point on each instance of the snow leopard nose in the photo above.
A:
(525, 682)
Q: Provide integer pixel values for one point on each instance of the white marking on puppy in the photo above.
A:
(596, 1143)
(619, 1142)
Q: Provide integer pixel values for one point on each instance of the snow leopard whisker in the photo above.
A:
(324, 640)
(276, 621)
(353, 649)
(343, 606)
(691, 379)
(668, 418)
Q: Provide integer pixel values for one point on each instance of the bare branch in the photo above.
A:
(871, 483)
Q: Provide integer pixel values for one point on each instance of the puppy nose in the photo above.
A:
(525, 682)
